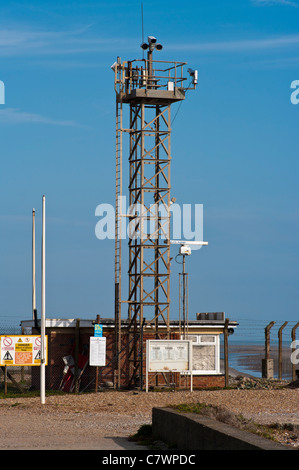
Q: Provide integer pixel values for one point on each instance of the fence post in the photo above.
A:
(226, 351)
(267, 363)
(97, 368)
(293, 349)
(22, 368)
(77, 338)
(5, 380)
(280, 350)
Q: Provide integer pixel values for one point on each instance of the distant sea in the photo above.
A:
(246, 357)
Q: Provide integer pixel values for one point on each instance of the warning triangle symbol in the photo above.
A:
(8, 356)
(38, 355)
(20, 340)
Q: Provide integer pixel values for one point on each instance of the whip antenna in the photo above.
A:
(142, 28)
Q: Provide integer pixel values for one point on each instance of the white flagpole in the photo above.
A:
(33, 265)
(43, 310)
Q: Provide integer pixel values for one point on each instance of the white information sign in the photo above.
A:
(168, 356)
(97, 351)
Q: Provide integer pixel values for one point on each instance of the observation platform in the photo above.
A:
(161, 97)
(151, 82)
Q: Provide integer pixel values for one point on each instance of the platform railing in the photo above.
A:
(145, 74)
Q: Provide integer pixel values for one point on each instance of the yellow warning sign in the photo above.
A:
(16, 350)
(23, 347)
(23, 358)
(7, 359)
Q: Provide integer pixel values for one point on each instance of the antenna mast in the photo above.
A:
(149, 88)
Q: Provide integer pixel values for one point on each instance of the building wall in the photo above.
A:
(62, 342)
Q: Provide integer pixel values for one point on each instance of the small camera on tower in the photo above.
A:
(194, 74)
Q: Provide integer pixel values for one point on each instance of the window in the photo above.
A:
(206, 357)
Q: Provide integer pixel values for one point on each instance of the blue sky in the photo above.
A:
(234, 150)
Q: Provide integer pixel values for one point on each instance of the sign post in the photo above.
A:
(43, 310)
(98, 333)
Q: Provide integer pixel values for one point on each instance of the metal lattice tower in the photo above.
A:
(149, 88)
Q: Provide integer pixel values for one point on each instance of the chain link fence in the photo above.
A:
(246, 351)
(15, 378)
(62, 371)
(247, 347)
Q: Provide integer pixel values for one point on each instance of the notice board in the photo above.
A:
(168, 356)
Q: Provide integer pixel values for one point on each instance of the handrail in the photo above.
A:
(129, 76)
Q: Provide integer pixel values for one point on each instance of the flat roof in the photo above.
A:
(109, 322)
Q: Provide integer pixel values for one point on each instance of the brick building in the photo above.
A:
(69, 343)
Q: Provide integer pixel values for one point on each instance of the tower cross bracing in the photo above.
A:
(149, 88)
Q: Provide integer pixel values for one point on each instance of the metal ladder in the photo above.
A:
(117, 261)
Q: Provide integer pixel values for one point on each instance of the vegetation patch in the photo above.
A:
(144, 437)
(14, 393)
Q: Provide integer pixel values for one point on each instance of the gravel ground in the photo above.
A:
(104, 420)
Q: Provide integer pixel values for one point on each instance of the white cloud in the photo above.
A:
(24, 42)
(240, 45)
(15, 116)
(276, 2)
(20, 41)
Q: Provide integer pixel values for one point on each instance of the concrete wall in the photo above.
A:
(188, 431)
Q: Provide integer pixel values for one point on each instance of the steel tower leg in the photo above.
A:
(149, 249)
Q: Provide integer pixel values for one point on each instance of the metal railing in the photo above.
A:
(149, 75)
